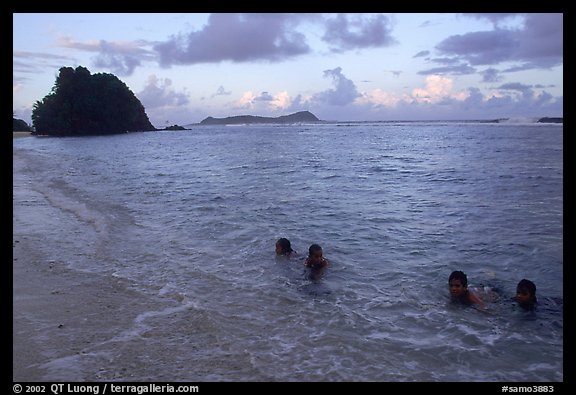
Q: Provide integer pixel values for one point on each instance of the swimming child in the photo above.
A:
(458, 285)
(315, 259)
(284, 248)
(526, 294)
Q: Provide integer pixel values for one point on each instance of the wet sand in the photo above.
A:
(70, 325)
(60, 315)
(21, 134)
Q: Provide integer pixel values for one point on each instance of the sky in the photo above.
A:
(341, 67)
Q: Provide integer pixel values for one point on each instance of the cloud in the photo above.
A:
(344, 91)
(221, 92)
(525, 90)
(495, 18)
(438, 100)
(538, 44)
(346, 32)
(264, 96)
(421, 54)
(120, 57)
(159, 93)
(378, 97)
(515, 86)
(36, 62)
(264, 102)
(246, 101)
(236, 38)
(445, 60)
(437, 88)
(461, 69)
(490, 75)
(281, 100)
(395, 73)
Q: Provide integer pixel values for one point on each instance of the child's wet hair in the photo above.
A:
(459, 275)
(285, 244)
(528, 286)
(313, 248)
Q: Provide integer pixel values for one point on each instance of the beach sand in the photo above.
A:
(58, 313)
(21, 134)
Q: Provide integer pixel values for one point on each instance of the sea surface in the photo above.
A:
(192, 217)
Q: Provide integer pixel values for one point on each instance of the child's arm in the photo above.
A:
(474, 299)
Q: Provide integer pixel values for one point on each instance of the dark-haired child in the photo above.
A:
(459, 292)
(526, 294)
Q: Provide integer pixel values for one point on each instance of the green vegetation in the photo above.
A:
(81, 103)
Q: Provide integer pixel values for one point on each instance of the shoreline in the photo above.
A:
(16, 135)
(63, 319)
(74, 325)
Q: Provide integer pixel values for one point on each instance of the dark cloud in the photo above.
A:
(236, 38)
(491, 75)
(540, 86)
(119, 57)
(264, 96)
(159, 93)
(495, 18)
(515, 86)
(346, 31)
(538, 44)
(445, 60)
(221, 92)
(421, 54)
(117, 63)
(479, 48)
(344, 91)
(461, 69)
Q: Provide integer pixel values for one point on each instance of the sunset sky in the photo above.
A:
(185, 67)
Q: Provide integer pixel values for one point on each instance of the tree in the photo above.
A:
(81, 103)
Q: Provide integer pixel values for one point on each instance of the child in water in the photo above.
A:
(284, 248)
(526, 294)
(316, 262)
(315, 259)
(459, 292)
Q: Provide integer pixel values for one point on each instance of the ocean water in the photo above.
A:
(191, 217)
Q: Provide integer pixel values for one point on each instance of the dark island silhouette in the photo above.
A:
(298, 117)
(175, 127)
(81, 103)
(18, 125)
(551, 120)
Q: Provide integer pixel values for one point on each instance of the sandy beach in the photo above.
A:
(58, 314)
(21, 134)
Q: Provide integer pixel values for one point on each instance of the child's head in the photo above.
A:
(315, 251)
(526, 292)
(457, 283)
(283, 246)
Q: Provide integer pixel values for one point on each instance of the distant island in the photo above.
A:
(18, 125)
(551, 120)
(298, 117)
(175, 127)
